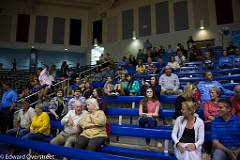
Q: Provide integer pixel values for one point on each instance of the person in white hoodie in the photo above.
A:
(71, 126)
(188, 133)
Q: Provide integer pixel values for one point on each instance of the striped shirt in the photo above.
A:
(227, 132)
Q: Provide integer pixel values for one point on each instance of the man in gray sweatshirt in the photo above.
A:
(169, 82)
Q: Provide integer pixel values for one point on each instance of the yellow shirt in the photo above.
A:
(140, 69)
(41, 123)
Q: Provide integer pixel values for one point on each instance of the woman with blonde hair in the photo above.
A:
(188, 133)
(93, 124)
(189, 94)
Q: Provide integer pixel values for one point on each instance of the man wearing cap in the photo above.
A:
(24, 120)
(71, 129)
(225, 133)
(7, 105)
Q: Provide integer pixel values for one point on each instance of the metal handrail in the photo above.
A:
(35, 93)
(95, 67)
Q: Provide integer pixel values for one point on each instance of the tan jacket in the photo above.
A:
(93, 124)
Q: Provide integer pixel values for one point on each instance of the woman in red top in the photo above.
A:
(210, 108)
(236, 100)
(148, 110)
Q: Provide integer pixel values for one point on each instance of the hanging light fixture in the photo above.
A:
(134, 35)
(202, 24)
(95, 42)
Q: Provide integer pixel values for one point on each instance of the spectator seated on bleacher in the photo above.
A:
(77, 97)
(154, 85)
(98, 75)
(133, 87)
(190, 93)
(109, 88)
(205, 86)
(210, 107)
(131, 60)
(64, 69)
(169, 82)
(147, 46)
(70, 121)
(93, 124)
(121, 70)
(160, 65)
(122, 84)
(33, 86)
(98, 95)
(26, 91)
(108, 72)
(225, 61)
(208, 61)
(161, 51)
(140, 68)
(225, 133)
(148, 110)
(75, 85)
(169, 50)
(87, 92)
(231, 48)
(154, 53)
(181, 48)
(150, 68)
(58, 106)
(123, 62)
(40, 126)
(236, 101)
(140, 55)
(188, 133)
(24, 120)
(173, 64)
(180, 58)
(236, 58)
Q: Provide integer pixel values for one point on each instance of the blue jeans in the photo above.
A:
(147, 122)
(219, 154)
(17, 132)
(34, 136)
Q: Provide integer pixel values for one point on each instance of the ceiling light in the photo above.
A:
(134, 35)
(202, 24)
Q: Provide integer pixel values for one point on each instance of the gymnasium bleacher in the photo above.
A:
(86, 39)
(123, 129)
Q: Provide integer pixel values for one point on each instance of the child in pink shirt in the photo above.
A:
(148, 111)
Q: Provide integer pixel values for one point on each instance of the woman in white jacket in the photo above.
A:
(188, 133)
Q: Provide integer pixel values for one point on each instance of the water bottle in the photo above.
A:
(166, 146)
